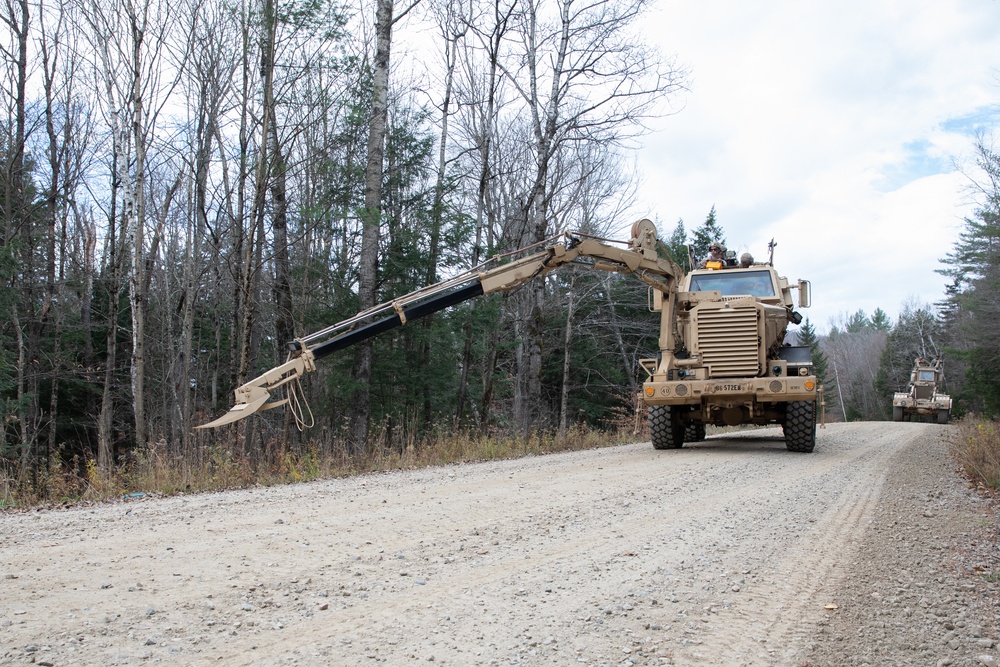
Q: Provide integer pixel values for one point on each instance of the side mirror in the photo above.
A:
(805, 294)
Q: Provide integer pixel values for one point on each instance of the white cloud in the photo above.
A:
(831, 127)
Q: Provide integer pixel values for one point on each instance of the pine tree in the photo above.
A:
(973, 310)
(709, 232)
(676, 246)
(880, 321)
(807, 337)
(858, 322)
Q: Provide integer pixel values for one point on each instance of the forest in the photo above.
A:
(188, 186)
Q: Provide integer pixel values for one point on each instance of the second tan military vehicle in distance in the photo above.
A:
(921, 400)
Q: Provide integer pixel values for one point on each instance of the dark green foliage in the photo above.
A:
(858, 322)
(880, 321)
(807, 337)
(710, 231)
(676, 246)
(971, 309)
(8, 357)
(613, 329)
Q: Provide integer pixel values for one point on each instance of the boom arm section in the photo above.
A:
(638, 257)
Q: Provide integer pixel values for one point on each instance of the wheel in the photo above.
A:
(694, 432)
(943, 416)
(800, 426)
(665, 427)
(897, 414)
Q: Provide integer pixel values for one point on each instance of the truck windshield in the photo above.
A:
(752, 283)
(926, 375)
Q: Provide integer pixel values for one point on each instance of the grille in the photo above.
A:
(728, 341)
(775, 386)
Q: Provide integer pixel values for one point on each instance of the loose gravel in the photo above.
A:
(872, 550)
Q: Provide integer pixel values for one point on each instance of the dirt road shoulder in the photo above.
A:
(925, 589)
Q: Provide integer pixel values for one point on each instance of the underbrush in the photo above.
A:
(154, 471)
(977, 450)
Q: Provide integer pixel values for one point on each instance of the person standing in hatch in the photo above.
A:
(716, 253)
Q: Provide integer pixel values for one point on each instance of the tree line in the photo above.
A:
(187, 186)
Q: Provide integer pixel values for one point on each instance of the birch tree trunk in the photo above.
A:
(116, 246)
(137, 282)
(371, 221)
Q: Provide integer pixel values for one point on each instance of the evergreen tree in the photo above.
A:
(858, 322)
(880, 321)
(972, 308)
(709, 232)
(807, 337)
(676, 246)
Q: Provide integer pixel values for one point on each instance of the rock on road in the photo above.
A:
(871, 550)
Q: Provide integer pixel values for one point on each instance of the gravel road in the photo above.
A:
(869, 551)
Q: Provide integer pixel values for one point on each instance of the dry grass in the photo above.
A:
(153, 471)
(977, 449)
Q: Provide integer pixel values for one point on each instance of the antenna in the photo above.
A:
(770, 251)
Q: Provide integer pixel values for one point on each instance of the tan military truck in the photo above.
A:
(723, 358)
(921, 398)
(722, 329)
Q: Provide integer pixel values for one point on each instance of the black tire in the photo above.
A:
(800, 426)
(943, 416)
(897, 414)
(694, 432)
(665, 427)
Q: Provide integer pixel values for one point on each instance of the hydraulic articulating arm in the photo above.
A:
(638, 257)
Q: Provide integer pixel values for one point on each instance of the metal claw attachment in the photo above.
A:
(255, 395)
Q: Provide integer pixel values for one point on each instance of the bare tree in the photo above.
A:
(855, 350)
(130, 42)
(480, 97)
(371, 221)
(581, 76)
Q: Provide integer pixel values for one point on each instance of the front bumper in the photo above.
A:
(731, 391)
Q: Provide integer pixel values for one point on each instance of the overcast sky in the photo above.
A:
(832, 127)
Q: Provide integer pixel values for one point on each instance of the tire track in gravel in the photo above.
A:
(813, 566)
(695, 501)
(716, 553)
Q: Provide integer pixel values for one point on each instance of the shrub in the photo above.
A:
(977, 450)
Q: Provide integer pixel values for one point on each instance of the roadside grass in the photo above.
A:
(153, 471)
(977, 449)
